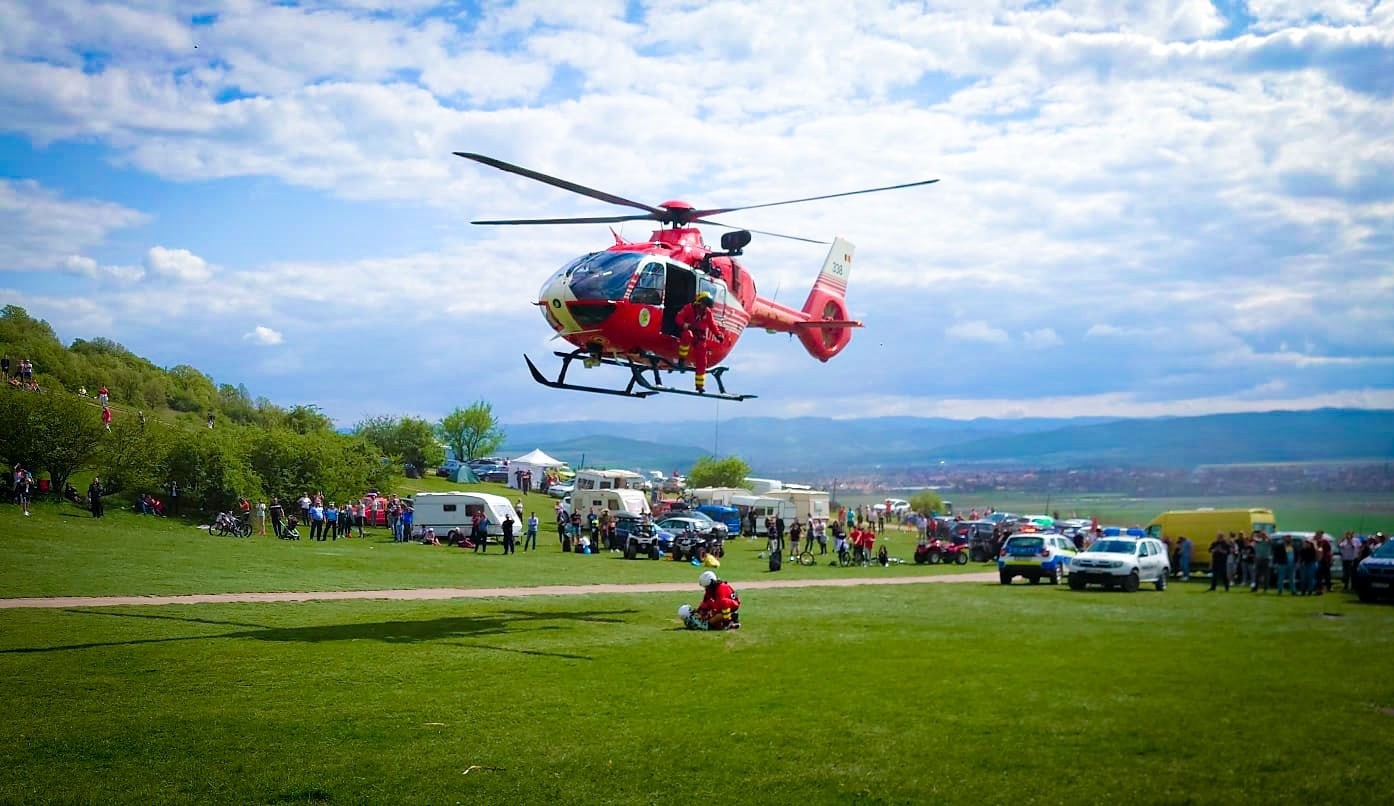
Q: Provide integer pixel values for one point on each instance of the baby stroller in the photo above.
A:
(289, 532)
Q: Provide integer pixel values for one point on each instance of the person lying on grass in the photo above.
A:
(720, 607)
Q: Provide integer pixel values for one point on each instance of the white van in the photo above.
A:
(455, 510)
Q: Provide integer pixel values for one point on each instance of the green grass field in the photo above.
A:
(965, 693)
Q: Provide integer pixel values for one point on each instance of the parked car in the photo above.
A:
(562, 489)
(1374, 576)
(1124, 562)
(1035, 556)
(701, 524)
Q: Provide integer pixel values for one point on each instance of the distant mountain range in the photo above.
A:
(813, 444)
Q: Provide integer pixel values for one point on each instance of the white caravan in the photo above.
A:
(455, 510)
(762, 507)
(615, 490)
(808, 504)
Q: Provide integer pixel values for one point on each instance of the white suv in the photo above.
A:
(1123, 561)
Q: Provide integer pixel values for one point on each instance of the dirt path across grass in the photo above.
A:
(473, 593)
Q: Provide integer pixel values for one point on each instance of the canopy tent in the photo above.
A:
(537, 462)
(464, 475)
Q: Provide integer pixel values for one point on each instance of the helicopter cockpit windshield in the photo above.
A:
(603, 275)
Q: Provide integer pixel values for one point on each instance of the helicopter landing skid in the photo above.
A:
(656, 385)
(560, 382)
(646, 387)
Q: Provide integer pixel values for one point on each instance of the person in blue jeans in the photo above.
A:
(1184, 550)
(1282, 563)
(1307, 568)
(530, 538)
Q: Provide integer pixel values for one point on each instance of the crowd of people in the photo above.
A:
(19, 374)
(1259, 561)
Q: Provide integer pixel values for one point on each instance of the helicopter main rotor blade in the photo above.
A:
(614, 219)
(759, 231)
(719, 211)
(558, 183)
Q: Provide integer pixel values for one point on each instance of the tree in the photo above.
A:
(471, 432)
(414, 442)
(380, 431)
(926, 502)
(56, 433)
(710, 471)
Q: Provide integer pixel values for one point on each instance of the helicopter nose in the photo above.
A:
(552, 299)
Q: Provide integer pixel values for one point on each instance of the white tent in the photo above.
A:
(537, 462)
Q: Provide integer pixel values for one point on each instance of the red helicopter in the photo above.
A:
(624, 306)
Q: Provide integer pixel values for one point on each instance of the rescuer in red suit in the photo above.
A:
(698, 326)
(720, 607)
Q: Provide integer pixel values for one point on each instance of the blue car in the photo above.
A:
(1374, 576)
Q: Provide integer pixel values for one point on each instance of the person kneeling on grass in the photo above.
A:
(720, 607)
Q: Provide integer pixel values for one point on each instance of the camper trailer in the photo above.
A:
(762, 486)
(455, 510)
(762, 507)
(808, 505)
(615, 490)
(720, 496)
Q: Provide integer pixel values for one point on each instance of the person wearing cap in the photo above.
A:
(698, 326)
(720, 607)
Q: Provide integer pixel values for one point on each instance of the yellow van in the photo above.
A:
(1201, 526)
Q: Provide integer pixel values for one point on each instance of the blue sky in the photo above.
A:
(1146, 207)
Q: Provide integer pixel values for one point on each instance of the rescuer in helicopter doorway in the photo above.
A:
(698, 326)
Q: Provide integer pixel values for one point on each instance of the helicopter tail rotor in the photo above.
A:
(828, 328)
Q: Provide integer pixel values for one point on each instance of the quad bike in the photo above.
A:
(935, 551)
(690, 545)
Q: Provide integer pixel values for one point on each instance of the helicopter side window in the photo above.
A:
(649, 289)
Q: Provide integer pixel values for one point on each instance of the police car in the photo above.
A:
(1036, 556)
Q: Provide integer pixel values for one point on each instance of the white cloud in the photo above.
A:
(263, 336)
(1041, 339)
(976, 331)
(83, 266)
(177, 264)
(1172, 204)
(40, 230)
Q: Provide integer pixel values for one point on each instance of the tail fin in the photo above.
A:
(828, 329)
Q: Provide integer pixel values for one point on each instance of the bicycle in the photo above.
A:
(806, 557)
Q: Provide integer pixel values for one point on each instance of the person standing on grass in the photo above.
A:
(795, 534)
(24, 484)
(531, 537)
(316, 521)
(94, 496)
(1183, 547)
(1349, 551)
(261, 517)
(406, 520)
(1324, 557)
(1263, 561)
(1283, 561)
(508, 547)
(277, 512)
(331, 520)
(1307, 568)
(1219, 561)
